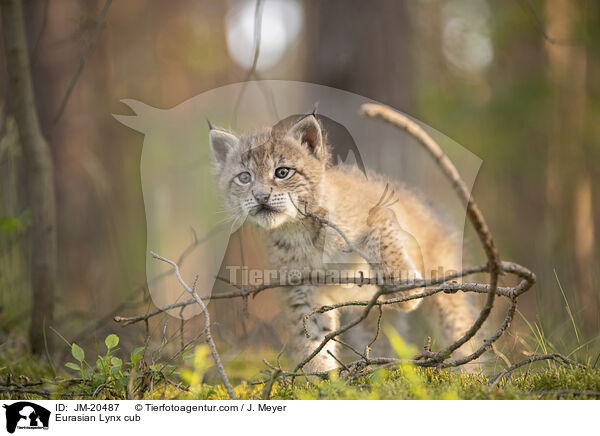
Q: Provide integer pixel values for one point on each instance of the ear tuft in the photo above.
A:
(308, 132)
(221, 143)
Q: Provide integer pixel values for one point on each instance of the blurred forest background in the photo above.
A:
(517, 82)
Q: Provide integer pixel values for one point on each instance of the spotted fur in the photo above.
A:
(389, 222)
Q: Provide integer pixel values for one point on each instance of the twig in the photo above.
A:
(328, 223)
(525, 284)
(370, 344)
(338, 360)
(252, 290)
(209, 339)
(340, 330)
(38, 41)
(13, 390)
(350, 347)
(426, 358)
(256, 53)
(256, 289)
(269, 386)
(427, 346)
(510, 293)
(113, 313)
(474, 214)
(550, 356)
(181, 327)
(86, 53)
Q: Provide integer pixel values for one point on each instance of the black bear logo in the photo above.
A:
(30, 413)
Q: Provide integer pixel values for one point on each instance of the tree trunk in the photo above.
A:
(569, 183)
(39, 174)
(362, 47)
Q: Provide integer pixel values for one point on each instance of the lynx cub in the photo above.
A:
(271, 176)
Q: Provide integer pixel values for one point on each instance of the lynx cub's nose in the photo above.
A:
(261, 197)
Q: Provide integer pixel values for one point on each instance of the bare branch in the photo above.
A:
(245, 291)
(16, 390)
(209, 339)
(251, 73)
(475, 216)
(269, 386)
(426, 358)
(328, 223)
(370, 344)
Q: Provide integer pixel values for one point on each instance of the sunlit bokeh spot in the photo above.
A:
(466, 40)
(280, 25)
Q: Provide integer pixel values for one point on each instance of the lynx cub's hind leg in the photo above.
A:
(386, 246)
(454, 315)
(299, 301)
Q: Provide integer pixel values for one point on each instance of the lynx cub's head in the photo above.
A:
(258, 173)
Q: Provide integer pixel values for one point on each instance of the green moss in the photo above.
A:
(403, 382)
(392, 384)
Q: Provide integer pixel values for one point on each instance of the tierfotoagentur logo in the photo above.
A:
(244, 276)
(186, 211)
(26, 415)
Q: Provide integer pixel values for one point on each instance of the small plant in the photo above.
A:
(115, 378)
(109, 373)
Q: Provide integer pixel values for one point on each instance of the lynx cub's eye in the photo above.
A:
(284, 173)
(243, 178)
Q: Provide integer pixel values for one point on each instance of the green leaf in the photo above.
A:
(136, 356)
(72, 366)
(115, 361)
(77, 352)
(100, 363)
(111, 341)
(87, 373)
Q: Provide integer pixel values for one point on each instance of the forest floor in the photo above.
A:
(24, 377)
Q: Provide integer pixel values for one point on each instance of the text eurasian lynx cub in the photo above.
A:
(269, 178)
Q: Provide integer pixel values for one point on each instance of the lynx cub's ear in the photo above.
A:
(308, 132)
(221, 143)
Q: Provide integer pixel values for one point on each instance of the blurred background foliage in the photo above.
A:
(516, 82)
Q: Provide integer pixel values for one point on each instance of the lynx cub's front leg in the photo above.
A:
(298, 302)
(386, 245)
